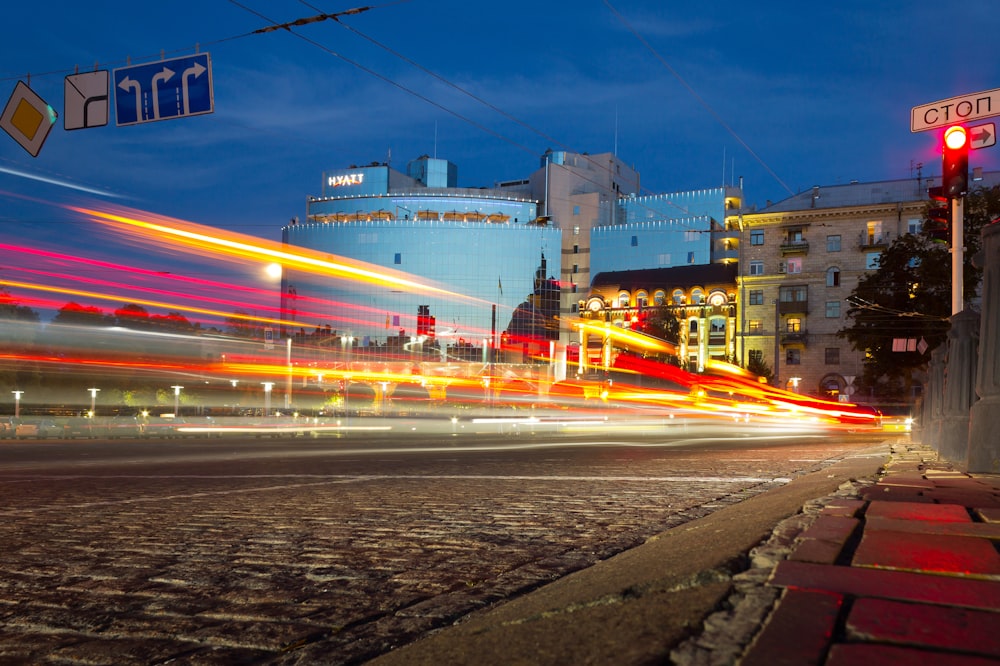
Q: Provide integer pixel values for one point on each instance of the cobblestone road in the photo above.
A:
(298, 556)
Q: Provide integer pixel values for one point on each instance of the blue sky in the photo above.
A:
(785, 94)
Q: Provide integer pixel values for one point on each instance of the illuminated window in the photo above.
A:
(794, 265)
(755, 327)
(793, 325)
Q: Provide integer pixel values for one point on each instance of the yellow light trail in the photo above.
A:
(198, 237)
(146, 302)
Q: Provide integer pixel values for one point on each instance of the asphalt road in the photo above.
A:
(335, 550)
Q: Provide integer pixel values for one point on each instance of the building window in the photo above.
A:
(575, 307)
(794, 265)
(757, 237)
(833, 277)
(576, 268)
(793, 356)
(572, 287)
(755, 327)
(576, 231)
(757, 355)
(663, 259)
(833, 243)
(756, 297)
(871, 260)
(913, 226)
(576, 210)
(692, 236)
(690, 257)
(833, 309)
(641, 299)
(697, 296)
(659, 297)
(793, 325)
(623, 299)
(678, 296)
(693, 326)
(635, 241)
(397, 258)
(832, 356)
(756, 268)
(795, 294)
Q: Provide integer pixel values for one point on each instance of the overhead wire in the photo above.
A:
(694, 93)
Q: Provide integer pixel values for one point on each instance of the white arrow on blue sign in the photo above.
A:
(162, 90)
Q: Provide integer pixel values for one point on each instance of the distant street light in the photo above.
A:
(177, 399)
(267, 397)
(93, 400)
(17, 403)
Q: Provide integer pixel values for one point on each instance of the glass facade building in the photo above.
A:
(667, 230)
(474, 254)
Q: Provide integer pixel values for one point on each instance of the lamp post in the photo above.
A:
(93, 400)
(17, 403)
(267, 397)
(177, 399)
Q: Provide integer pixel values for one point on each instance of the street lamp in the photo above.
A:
(267, 397)
(93, 400)
(17, 403)
(177, 399)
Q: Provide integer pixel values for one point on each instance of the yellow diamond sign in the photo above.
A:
(27, 118)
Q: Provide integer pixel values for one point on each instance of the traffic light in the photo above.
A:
(955, 168)
(938, 225)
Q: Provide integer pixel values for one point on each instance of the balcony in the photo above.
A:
(794, 338)
(793, 307)
(873, 241)
(794, 247)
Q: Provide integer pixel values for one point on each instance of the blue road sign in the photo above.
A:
(163, 90)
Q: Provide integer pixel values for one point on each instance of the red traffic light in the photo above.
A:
(955, 162)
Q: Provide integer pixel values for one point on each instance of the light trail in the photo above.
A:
(205, 240)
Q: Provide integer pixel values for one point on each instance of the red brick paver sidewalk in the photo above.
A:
(909, 573)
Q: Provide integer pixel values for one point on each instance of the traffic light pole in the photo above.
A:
(957, 254)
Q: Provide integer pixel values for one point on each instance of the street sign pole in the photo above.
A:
(957, 254)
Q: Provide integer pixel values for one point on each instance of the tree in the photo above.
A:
(242, 325)
(131, 315)
(909, 297)
(83, 315)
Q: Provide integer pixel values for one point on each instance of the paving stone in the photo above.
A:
(843, 507)
(884, 493)
(918, 511)
(856, 654)
(798, 631)
(958, 629)
(973, 529)
(989, 515)
(923, 552)
(886, 584)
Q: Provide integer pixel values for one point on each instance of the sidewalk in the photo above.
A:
(904, 572)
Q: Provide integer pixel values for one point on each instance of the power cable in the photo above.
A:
(697, 97)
